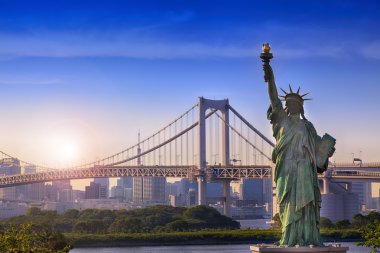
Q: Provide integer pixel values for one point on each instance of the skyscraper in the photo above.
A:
(9, 166)
(92, 191)
(105, 183)
(34, 191)
(148, 190)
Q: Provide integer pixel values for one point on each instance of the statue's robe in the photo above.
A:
(298, 193)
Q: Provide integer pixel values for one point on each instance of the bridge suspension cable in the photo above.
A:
(175, 137)
(244, 138)
(250, 126)
(175, 145)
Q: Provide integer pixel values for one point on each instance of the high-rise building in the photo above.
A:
(10, 166)
(117, 192)
(252, 189)
(125, 182)
(51, 193)
(34, 191)
(64, 190)
(105, 183)
(259, 190)
(92, 191)
(192, 197)
(184, 186)
(95, 191)
(364, 192)
(128, 194)
(149, 190)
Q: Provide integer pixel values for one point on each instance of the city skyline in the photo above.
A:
(80, 80)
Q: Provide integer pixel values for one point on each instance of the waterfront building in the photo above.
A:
(339, 203)
(112, 204)
(128, 194)
(236, 187)
(117, 192)
(10, 209)
(192, 198)
(78, 194)
(214, 190)
(364, 192)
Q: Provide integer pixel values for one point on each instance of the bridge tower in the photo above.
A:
(222, 106)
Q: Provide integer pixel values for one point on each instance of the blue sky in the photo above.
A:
(98, 71)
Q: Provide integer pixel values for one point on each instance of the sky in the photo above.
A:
(79, 79)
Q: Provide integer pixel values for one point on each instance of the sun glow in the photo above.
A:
(64, 150)
(67, 151)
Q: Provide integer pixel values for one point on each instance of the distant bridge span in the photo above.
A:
(212, 173)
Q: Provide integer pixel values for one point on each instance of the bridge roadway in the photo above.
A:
(338, 173)
(212, 173)
(354, 172)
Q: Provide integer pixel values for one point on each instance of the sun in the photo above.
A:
(63, 150)
(67, 151)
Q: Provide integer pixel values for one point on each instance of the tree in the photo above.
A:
(371, 236)
(71, 214)
(325, 223)
(177, 225)
(126, 225)
(342, 224)
(276, 221)
(31, 238)
(34, 211)
(90, 226)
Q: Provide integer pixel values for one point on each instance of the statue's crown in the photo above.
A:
(294, 96)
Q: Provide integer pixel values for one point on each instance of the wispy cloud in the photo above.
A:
(29, 81)
(371, 50)
(143, 42)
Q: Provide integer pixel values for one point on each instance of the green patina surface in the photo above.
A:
(299, 155)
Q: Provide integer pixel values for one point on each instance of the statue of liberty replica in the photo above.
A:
(299, 154)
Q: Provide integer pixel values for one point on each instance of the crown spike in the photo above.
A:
(307, 99)
(305, 94)
(290, 88)
(298, 91)
(284, 91)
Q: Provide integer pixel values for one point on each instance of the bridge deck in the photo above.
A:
(213, 172)
(189, 171)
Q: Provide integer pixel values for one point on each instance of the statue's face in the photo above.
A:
(294, 107)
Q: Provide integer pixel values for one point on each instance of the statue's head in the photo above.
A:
(294, 102)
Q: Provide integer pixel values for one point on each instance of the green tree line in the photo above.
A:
(150, 219)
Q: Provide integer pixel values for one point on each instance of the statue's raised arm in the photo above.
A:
(269, 77)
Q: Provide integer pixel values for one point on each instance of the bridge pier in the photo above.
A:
(227, 197)
(203, 106)
(202, 190)
(325, 186)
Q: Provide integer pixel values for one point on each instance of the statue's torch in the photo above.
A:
(265, 56)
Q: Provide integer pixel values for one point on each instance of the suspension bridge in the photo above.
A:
(211, 141)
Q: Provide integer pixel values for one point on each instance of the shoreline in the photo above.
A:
(196, 238)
